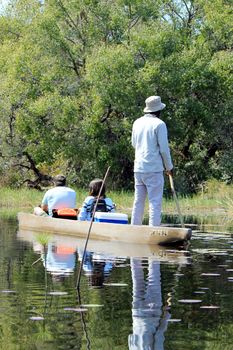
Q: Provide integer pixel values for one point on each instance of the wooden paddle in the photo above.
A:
(89, 231)
(175, 198)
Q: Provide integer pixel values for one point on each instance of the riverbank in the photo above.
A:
(215, 198)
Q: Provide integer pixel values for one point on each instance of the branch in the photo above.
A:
(67, 13)
(16, 34)
(142, 56)
(22, 166)
(175, 12)
(76, 65)
(211, 152)
(188, 10)
(134, 22)
(107, 114)
(190, 14)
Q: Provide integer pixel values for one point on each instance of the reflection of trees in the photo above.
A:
(108, 327)
(29, 297)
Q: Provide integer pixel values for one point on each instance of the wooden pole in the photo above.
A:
(89, 230)
(176, 200)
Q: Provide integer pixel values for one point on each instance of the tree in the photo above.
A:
(75, 74)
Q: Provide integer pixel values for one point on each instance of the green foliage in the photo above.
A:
(111, 72)
(74, 76)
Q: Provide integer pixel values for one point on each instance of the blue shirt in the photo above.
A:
(59, 197)
(85, 212)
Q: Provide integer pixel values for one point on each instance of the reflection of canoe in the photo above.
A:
(105, 231)
(111, 249)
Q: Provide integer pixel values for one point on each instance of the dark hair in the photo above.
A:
(157, 113)
(59, 180)
(96, 279)
(94, 188)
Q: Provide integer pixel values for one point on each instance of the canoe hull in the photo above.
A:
(105, 231)
(110, 249)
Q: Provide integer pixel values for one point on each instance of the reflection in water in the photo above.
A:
(149, 316)
(96, 267)
(57, 320)
(60, 261)
(35, 318)
(61, 257)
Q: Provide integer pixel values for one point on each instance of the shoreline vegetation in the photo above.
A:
(75, 76)
(215, 198)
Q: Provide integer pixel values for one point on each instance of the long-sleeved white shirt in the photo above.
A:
(149, 138)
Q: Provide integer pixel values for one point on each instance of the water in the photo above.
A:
(130, 297)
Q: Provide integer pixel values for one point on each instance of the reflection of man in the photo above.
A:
(59, 260)
(59, 197)
(149, 320)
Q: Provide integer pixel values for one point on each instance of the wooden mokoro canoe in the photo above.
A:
(142, 234)
(111, 249)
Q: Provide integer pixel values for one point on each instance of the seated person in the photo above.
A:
(58, 197)
(105, 204)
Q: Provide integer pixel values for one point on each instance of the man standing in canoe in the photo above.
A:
(152, 157)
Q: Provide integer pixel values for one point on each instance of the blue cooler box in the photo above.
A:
(113, 218)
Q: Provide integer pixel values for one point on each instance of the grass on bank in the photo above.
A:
(215, 197)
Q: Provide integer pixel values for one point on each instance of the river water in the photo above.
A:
(129, 297)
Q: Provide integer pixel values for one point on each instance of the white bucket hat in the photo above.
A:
(154, 104)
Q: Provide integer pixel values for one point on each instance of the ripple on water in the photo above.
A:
(57, 293)
(91, 305)
(190, 301)
(36, 318)
(75, 309)
(116, 284)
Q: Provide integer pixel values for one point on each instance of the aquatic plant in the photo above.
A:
(43, 238)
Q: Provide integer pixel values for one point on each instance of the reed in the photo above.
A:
(213, 197)
(19, 198)
(43, 239)
(227, 204)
